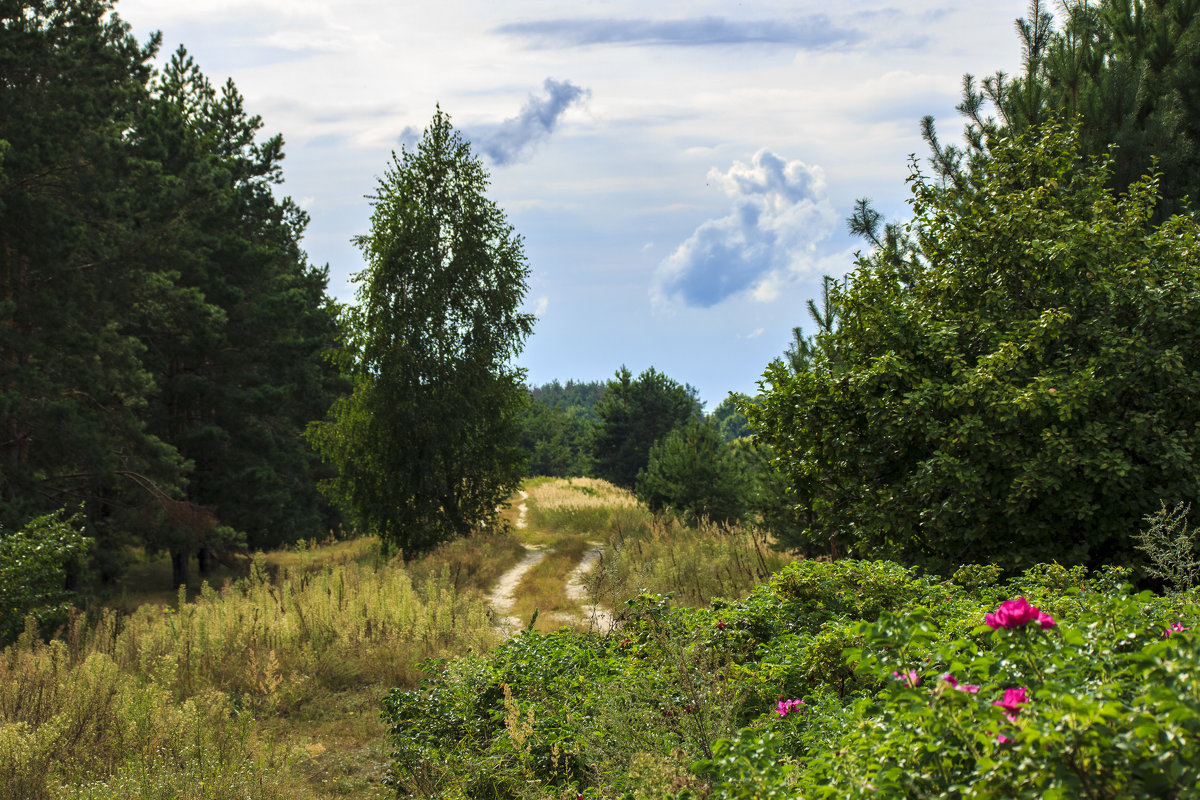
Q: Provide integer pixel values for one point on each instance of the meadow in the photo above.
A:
(271, 685)
(266, 688)
(728, 670)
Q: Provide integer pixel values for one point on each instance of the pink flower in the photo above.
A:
(1012, 702)
(909, 678)
(789, 705)
(1013, 699)
(1016, 614)
(1176, 627)
(970, 688)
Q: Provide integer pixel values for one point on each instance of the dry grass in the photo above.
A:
(268, 688)
(473, 564)
(691, 564)
(147, 581)
(587, 506)
(575, 493)
(543, 589)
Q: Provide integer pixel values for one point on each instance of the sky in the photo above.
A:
(680, 172)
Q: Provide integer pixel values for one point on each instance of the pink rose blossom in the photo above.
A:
(1012, 702)
(909, 678)
(1016, 614)
(1013, 699)
(789, 705)
(969, 688)
(1176, 627)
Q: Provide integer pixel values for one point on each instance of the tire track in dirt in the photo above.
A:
(503, 595)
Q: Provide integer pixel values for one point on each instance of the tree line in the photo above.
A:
(163, 337)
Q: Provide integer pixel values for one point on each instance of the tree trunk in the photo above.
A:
(179, 567)
(205, 560)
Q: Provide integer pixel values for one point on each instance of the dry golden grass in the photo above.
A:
(268, 688)
(473, 564)
(543, 589)
(574, 493)
(587, 506)
(692, 564)
(147, 581)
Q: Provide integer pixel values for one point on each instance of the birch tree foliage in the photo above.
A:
(427, 445)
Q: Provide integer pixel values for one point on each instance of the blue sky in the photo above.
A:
(680, 171)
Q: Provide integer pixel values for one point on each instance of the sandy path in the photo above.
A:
(503, 596)
(599, 618)
(521, 509)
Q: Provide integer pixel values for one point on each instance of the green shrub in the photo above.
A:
(687, 702)
(34, 563)
(1102, 705)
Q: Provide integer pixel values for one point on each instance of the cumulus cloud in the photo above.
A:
(814, 31)
(780, 213)
(513, 139)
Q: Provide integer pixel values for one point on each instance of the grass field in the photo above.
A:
(268, 685)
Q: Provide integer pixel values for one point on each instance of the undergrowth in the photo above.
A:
(169, 702)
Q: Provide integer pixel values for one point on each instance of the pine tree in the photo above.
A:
(73, 387)
(240, 332)
(1124, 71)
(634, 414)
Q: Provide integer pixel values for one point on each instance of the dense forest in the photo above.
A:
(165, 338)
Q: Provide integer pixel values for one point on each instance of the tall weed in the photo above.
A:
(163, 702)
(692, 564)
(86, 729)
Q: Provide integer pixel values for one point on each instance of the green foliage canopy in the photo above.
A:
(693, 471)
(427, 445)
(73, 385)
(634, 414)
(1020, 389)
(558, 426)
(237, 340)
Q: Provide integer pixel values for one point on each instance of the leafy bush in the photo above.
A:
(1020, 390)
(838, 679)
(34, 563)
(1083, 697)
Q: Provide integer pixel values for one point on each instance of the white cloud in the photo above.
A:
(780, 213)
(513, 139)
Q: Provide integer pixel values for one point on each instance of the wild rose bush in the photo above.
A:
(851, 679)
(1098, 703)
